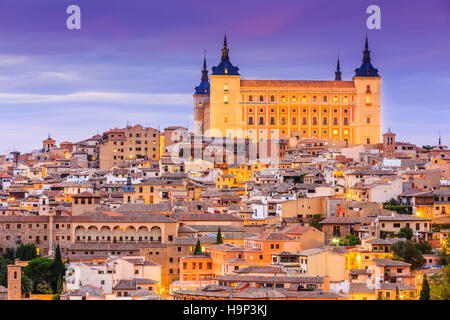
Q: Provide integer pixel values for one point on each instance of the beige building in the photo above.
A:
(304, 207)
(131, 143)
(323, 262)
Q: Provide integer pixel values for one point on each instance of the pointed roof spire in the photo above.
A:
(440, 138)
(366, 69)
(225, 50)
(203, 88)
(366, 51)
(204, 70)
(338, 72)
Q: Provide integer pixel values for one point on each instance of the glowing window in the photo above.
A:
(225, 86)
(304, 99)
(335, 99)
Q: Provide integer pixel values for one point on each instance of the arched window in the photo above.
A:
(261, 98)
(250, 98)
(304, 99)
(294, 99)
(314, 99)
(324, 98)
(283, 98)
(272, 98)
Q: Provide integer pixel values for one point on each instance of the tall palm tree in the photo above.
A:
(27, 285)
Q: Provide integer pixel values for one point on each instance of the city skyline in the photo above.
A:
(138, 66)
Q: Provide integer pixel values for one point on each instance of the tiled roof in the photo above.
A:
(360, 288)
(274, 236)
(343, 220)
(144, 207)
(214, 228)
(394, 286)
(390, 263)
(359, 271)
(297, 84)
(261, 269)
(402, 217)
(205, 217)
(296, 229)
(270, 279)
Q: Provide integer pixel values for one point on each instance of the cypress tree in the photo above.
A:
(425, 292)
(59, 285)
(58, 268)
(219, 237)
(198, 248)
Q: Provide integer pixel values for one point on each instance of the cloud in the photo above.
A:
(59, 76)
(97, 97)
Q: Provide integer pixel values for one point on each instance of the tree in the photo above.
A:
(397, 293)
(219, 237)
(405, 233)
(424, 247)
(27, 285)
(440, 285)
(351, 240)
(198, 248)
(59, 285)
(44, 288)
(427, 147)
(40, 270)
(26, 252)
(405, 251)
(425, 292)
(4, 270)
(10, 255)
(58, 268)
(315, 219)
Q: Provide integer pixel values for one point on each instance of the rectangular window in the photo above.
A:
(261, 120)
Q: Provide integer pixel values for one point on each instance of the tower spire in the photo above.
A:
(366, 51)
(338, 72)
(440, 138)
(204, 70)
(225, 49)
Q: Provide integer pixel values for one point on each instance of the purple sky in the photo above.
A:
(139, 60)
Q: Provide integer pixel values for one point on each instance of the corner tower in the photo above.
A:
(201, 99)
(368, 103)
(225, 109)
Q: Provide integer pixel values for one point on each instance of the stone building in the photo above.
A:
(227, 106)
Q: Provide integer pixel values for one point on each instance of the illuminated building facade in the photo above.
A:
(227, 106)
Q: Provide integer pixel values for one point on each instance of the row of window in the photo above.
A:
(200, 265)
(294, 110)
(30, 226)
(138, 135)
(315, 121)
(294, 98)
